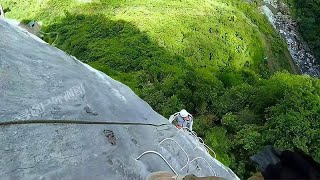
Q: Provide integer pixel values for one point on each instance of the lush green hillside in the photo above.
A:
(205, 56)
(206, 33)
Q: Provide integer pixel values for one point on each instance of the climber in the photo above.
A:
(182, 119)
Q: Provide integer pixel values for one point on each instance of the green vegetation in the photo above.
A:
(207, 57)
(308, 17)
(283, 110)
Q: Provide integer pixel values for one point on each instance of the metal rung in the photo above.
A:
(200, 140)
(166, 139)
(189, 131)
(215, 174)
(206, 148)
(194, 135)
(157, 153)
(198, 147)
(210, 150)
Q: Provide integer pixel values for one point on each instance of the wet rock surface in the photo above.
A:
(279, 16)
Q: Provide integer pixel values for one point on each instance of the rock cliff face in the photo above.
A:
(62, 119)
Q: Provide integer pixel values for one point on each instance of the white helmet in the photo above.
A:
(184, 113)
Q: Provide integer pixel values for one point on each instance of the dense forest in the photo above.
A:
(220, 60)
(307, 15)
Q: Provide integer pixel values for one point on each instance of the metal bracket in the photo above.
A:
(210, 150)
(189, 131)
(215, 174)
(200, 140)
(157, 153)
(166, 139)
